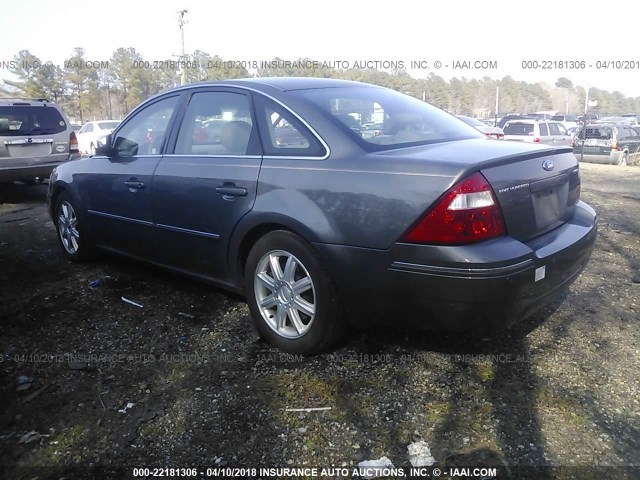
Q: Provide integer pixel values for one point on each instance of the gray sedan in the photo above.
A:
(428, 223)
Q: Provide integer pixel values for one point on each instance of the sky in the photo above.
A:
(347, 31)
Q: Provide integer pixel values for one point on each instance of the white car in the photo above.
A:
(489, 131)
(91, 131)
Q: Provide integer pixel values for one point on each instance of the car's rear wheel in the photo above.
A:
(623, 160)
(291, 296)
(72, 236)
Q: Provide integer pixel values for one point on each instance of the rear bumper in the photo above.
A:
(485, 286)
(614, 157)
(26, 172)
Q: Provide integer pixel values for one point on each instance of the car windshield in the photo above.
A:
(404, 120)
(30, 120)
(518, 128)
(108, 125)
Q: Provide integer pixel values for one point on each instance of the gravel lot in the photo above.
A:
(185, 381)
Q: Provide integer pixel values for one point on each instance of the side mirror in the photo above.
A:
(104, 148)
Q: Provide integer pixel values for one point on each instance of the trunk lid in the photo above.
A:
(535, 194)
(532, 200)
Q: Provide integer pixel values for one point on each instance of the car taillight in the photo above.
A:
(468, 212)
(73, 143)
(614, 146)
(536, 140)
(500, 136)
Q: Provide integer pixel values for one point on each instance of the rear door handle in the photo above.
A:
(230, 190)
(134, 184)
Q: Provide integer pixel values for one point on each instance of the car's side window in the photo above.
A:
(621, 134)
(554, 129)
(216, 123)
(145, 132)
(544, 131)
(88, 128)
(283, 134)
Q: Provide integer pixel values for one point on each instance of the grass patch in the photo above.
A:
(65, 448)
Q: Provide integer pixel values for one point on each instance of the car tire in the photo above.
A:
(291, 297)
(70, 227)
(623, 160)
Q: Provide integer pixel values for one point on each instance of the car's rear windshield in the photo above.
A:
(108, 125)
(598, 133)
(518, 128)
(30, 120)
(404, 120)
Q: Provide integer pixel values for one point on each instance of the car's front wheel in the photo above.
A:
(71, 233)
(291, 296)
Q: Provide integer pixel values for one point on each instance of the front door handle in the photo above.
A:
(230, 190)
(134, 185)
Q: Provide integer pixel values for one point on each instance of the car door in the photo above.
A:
(83, 135)
(207, 182)
(119, 186)
(634, 146)
(559, 134)
(544, 133)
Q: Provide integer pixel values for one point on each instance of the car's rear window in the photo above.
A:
(598, 133)
(30, 120)
(404, 120)
(517, 128)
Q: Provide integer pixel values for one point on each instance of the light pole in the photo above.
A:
(183, 70)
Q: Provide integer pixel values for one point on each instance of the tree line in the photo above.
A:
(109, 90)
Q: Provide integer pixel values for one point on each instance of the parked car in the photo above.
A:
(617, 144)
(430, 224)
(537, 131)
(530, 116)
(91, 131)
(616, 120)
(569, 121)
(372, 130)
(573, 131)
(76, 126)
(492, 122)
(491, 132)
(35, 136)
(588, 118)
(634, 118)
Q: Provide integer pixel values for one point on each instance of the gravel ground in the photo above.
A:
(185, 381)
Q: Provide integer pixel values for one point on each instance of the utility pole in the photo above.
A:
(586, 100)
(495, 123)
(183, 57)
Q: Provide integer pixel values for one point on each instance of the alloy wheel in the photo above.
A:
(68, 228)
(285, 294)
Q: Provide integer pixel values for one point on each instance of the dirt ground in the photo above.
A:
(88, 379)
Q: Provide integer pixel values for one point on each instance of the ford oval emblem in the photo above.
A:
(547, 165)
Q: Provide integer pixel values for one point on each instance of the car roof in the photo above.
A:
(22, 101)
(281, 83)
(529, 120)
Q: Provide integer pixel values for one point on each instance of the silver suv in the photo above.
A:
(537, 131)
(35, 137)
